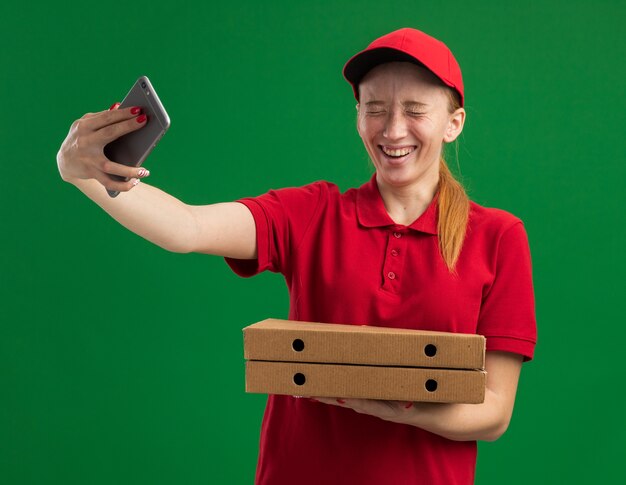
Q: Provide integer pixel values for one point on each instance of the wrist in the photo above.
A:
(69, 180)
(64, 176)
(418, 414)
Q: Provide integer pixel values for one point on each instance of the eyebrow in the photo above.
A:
(415, 104)
(407, 104)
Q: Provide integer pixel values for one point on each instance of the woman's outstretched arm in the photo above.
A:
(225, 229)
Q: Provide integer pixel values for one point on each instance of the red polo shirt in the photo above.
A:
(345, 261)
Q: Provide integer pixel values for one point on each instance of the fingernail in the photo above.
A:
(141, 119)
(408, 405)
(341, 401)
(113, 106)
(136, 181)
(135, 111)
(143, 172)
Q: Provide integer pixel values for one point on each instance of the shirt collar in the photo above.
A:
(371, 211)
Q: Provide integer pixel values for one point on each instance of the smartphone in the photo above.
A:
(133, 148)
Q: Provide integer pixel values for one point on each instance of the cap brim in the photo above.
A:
(361, 63)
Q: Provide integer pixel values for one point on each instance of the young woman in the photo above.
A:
(406, 249)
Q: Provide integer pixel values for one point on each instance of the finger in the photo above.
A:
(126, 125)
(115, 185)
(114, 168)
(332, 401)
(114, 106)
(91, 115)
(110, 117)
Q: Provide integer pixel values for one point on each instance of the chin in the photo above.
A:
(402, 176)
(395, 177)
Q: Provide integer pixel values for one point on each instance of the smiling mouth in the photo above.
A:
(397, 152)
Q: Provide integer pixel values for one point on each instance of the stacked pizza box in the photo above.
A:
(358, 361)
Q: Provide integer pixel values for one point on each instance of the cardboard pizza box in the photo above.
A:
(295, 341)
(366, 382)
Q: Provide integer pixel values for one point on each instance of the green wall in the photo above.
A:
(121, 363)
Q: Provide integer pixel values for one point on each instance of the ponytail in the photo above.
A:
(453, 207)
(453, 216)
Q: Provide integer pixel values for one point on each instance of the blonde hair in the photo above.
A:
(453, 206)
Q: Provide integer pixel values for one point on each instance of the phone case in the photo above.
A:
(133, 148)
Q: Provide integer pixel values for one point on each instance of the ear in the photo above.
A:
(455, 125)
(357, 119)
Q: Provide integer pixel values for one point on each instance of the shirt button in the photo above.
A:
(391, 275)
(394, 252)
(397, 235)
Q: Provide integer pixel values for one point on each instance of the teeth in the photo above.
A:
(399, 152)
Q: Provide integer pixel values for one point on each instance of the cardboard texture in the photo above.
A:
(290, 341)
(358, 361)
(366, 382)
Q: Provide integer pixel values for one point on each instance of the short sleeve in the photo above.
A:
(282, 218)
(507, 313)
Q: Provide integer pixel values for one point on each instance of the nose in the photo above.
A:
(395, 126)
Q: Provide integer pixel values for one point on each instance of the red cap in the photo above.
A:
(406, 45)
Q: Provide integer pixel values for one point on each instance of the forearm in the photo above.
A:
(148, 212)
(461, 422)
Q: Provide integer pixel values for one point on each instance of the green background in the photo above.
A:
(122, 363)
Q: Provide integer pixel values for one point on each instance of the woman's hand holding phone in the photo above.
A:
(81, 155)
(124, 135)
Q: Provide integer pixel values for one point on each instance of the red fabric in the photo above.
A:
(345, 261)
(414, 44)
